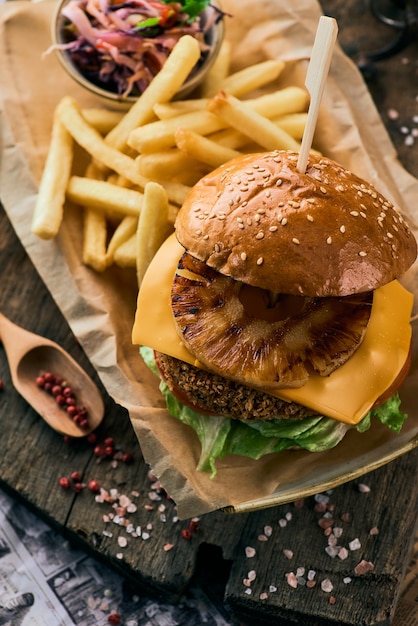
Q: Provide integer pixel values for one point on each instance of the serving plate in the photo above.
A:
(100, 308)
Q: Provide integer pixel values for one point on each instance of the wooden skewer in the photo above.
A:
(316, 77)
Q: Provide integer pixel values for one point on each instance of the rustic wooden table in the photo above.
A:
(243, 560)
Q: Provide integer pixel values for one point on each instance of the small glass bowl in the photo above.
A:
(214, 37)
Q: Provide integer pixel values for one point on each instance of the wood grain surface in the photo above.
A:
(248, 561)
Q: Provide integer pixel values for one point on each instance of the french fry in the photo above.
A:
(124, 231)
(253, 77)
(94, 239)
(203, 149)
(258, 128)
(219, 70)
(49, 207)
(294, 124)
(281, 102)
(160, 135)
(87, 137)
(102, 120)
(162, 88)
(153, 227)
(179, 107)
(167, 163)
(104, 196)
(233, 139)
(125, 254)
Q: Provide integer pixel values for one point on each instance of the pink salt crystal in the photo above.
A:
(288, 554)
(343, 554)
(291, 580)
(168, 547)
(363, 488)
(263, 596)
(249, 552)
(374, 531)
(325, 522)
(364, 567)
(326, 585)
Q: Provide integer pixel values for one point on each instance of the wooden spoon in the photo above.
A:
(29, 355)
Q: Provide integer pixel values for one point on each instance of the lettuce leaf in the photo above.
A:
(220, 436)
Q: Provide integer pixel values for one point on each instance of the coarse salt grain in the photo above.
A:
(354, 544)
(268, 531)
(364, 567)
(343, 554)
(263, 596)
(272, 588)
(250, 552)
(168, 547)
(326, 585)
(346, 580)
(363, 488)
(288, 554)
(291, 580)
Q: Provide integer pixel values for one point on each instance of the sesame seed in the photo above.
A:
(261, 211)
(257, 218)
(323, 189)
(205, 237)
(243, 256)
(329, 240)
(281, 204)
(354, 213)
(362, 213)
(260, 235)
(273, 229)
(244, 203)
(339, 188)
(268, 193)
(241, 225)
(279, 181)
(260, 261)
(342, 229)
(294, 204)
(284, 221)
(389, 235)
(198, 233)
(249, 221)
(309, 218)
(296, 241)
(239, 219)
(362, 253)
(217, 247)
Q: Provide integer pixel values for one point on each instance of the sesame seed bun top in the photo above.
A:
(323, 233)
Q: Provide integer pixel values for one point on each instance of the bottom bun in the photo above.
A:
(215, 395)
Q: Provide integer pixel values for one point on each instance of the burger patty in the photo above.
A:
(220, 396)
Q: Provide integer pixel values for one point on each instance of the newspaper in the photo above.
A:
(45, 581)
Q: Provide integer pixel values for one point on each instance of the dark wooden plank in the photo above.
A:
(382, 521)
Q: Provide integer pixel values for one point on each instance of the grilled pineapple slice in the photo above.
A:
(261, 339)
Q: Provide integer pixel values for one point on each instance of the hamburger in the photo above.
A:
(274, 317)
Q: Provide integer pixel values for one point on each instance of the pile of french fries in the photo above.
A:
(142, 163)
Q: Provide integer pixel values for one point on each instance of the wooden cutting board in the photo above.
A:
(273, 566)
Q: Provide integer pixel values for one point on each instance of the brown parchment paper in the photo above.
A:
(100, 308)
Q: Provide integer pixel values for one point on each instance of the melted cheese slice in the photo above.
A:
(346, 395)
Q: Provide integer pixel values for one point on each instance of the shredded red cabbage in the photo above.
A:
(121, 46)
